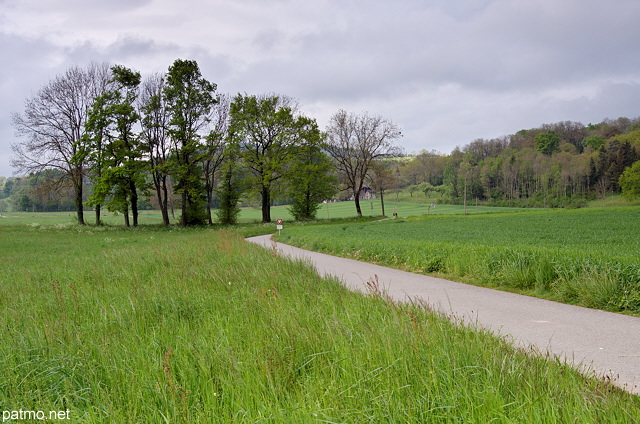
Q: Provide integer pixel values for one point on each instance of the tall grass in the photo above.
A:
(199, 326)
(586, 257)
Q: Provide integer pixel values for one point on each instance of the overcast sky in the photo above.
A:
(446, 71)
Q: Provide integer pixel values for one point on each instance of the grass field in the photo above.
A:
(327, 211)
(196, 325)
(589, 257)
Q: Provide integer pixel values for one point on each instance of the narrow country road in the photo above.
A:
(605, 342)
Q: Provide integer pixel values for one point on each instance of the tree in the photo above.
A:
(426, 188)
(450, 179)
(214, 148)
(155, 122)
(602, 187)
(267, 131)
(382, 178)
(121, 168)
(355, 141)
(311, 176)
(47, 189)
(413, 188)
(630, 182)
(53, 125)
(547, 143)
(95, 138)
(189, 99)
(617, 157)
(230, 188)
(594, 141)
(465, 168)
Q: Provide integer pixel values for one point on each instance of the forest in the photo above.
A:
(556, 165)
(103, 137)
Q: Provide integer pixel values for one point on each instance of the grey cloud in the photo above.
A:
(84, 6)
(446, 71)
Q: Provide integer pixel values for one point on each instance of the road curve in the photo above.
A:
(604, 342)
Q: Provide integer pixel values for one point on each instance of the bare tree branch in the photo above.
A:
(53, 124)
(355, 141)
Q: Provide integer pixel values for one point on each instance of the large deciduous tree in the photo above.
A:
(355, 141)
(189, 98)
(267, 131)
(53, 126)
(547, 142)
(112, 121)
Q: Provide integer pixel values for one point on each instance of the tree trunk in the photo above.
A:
(79, 206)
(307, 205)
(465, 195)
(357, 200)
(164, 203)
(209, 185)
(382, 201)
(183, 218)
(134, 202)
(98, 215)
(266, 204)
(161, 191)
(126, 216)
(209, 200)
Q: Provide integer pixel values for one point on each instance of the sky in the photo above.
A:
(446, 72)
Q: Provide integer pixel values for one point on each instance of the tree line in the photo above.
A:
(173, 136)
(104, 137)
(564, 164)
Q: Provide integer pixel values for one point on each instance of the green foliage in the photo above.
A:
(614, 159)
(229, 192)
(116, 327)
(426, 188)
(594, 141)
(115, 149)
(268, 135)
(189, 98)
(547, 143)
(311, 178)
(450, 180)
(630, 182)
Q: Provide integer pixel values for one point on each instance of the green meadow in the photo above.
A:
(589, 257)
(196, 325)
(327, 211)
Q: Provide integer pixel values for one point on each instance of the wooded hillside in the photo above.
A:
(555, 165)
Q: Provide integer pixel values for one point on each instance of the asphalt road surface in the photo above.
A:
(603, 342)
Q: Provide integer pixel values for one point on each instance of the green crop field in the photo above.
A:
(589, 257)
(175, 325)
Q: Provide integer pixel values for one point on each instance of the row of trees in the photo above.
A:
(173, 135)
(172, 138)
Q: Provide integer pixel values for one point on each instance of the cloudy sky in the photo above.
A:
(446, 71)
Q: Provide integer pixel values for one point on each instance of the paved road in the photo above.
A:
(605, 342)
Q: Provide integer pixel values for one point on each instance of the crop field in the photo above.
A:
(589, 257)
(196, 325)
